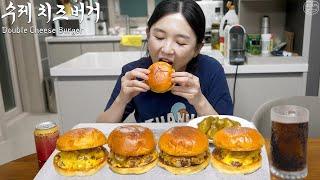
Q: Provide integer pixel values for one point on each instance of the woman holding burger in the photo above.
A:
(196, 85)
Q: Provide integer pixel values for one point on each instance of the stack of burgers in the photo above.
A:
(132, 150)
(184, 150)
(237, 150)
(82, 152)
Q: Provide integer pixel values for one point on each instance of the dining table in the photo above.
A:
(27, 167)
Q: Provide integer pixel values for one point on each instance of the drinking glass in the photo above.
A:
(289, 136)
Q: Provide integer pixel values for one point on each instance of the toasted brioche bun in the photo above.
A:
(185, 170)
(238, 139)
(222, 167)
(131, 140)
(160, 77)
(82, 138)
(135, 170)
(89, 172)
(183, 141)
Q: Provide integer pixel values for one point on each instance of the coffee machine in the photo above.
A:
(236, 46)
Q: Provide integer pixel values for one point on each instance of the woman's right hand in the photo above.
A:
(131, 86)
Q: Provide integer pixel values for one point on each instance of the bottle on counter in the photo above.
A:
(221, 37)
(266, 37)
(265, 25)
(215, 42)
(229, 19)
(265, 44)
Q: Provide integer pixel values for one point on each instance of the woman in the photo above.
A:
(175, 33)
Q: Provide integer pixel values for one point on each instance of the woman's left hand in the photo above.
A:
(187, 86)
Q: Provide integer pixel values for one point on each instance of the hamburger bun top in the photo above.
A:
(82, 138)
(131, 140)
(160, 77)
(238, 139)
(183, 141)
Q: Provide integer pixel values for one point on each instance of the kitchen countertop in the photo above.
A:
(110, 63)
(101, 38)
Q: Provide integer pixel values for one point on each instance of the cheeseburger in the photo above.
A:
(160, 77)
(237, 150)
(184, 150)
(82, 152)
(132, 150)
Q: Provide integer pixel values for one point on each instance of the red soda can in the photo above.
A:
(45, 137)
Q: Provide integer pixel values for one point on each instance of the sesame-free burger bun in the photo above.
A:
(238, 139)
(160, 77)
(82, 138)
(183, 141)
(131, 140)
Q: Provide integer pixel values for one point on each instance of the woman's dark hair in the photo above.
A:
(193, 14)
(189, 9)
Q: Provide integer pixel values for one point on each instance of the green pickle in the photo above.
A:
(210, 125)
(211, 132)
(205, 125)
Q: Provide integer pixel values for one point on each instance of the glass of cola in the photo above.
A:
(289, 136)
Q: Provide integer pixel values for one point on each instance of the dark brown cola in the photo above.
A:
(289, 145)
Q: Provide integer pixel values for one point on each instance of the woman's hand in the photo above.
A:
(130, 86)
(188, 87)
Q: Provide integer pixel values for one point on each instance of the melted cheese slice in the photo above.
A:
(80, 160)
(244, 158)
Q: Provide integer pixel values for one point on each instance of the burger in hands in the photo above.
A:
(82, 152)
(160, 77)
(132, 150)
(184, 150)
(237, 150)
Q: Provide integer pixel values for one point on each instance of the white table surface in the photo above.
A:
(47, 172)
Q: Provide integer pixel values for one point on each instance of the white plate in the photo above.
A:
(243, 122)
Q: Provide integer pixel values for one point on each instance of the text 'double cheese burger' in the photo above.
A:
(183, 150)
(237, 150)
(160, 77)
(132, 150)
(82, 152)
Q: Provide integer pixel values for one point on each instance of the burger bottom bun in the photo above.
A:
(135, 170)
(185, 170)
(222, 167)
(66, 172)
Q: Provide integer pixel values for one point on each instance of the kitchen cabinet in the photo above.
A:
(61, 52)
(118, 47)
(96, 47)
(62, 49)
(81, 100)
(252, 90)
(283, 15)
